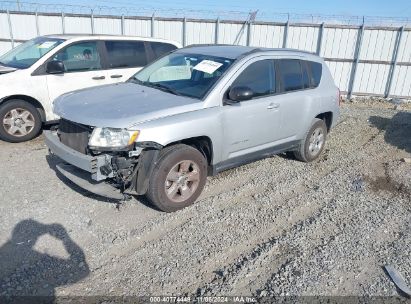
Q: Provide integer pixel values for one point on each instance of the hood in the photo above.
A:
(121, 105)
(5, 70)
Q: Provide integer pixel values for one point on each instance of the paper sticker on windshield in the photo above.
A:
(207, 66)
(46, 45)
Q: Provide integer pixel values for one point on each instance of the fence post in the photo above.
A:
(63, 26)
(249, 33)
(122, 25)
(184, 31)
(320, 39)
(37, 24)
(217, 30)
(92, 22)
(394, 61)
(285, 38)
(10, 29)
(152, 25)
(356, 59)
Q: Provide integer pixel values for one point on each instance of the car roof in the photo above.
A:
(226, 51)
(237, 51)
(101, 37)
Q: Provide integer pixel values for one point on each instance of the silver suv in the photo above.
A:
(194, 112)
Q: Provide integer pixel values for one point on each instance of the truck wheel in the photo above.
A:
(20, 121)
(178, 178)
(312, 145)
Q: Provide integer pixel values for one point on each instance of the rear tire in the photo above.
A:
(19, 121)
(312, 145)
(178, 178)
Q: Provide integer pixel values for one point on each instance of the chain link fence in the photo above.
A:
(135, 9)
(367, 56)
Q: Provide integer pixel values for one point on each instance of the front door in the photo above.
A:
(252, 125)
(83, 69)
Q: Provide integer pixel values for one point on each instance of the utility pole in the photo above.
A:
(18, 4)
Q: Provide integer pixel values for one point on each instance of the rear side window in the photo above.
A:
(126, 54)
(259, 77)
(316, 73)
(159, 48)
(290, 74)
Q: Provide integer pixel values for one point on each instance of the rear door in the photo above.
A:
(294, 98)
(83, 68)
(124, 58)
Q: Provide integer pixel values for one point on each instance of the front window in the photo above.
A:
(26, 54)
(259, 77)
(80, 57)
(190, 75)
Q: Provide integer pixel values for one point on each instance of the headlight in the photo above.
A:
(112, 138)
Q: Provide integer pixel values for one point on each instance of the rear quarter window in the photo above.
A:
(316, 73)
(159, 48)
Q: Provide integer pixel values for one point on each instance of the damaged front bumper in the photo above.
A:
(97, 174)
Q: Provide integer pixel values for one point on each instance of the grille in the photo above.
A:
(74, 135)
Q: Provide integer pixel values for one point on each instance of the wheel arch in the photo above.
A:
(34, 102)
(201, 143)
(328, 119)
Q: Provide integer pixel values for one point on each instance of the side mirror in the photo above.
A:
(55, 67)
(240, 93)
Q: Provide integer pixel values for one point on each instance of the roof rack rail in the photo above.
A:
(208, 44)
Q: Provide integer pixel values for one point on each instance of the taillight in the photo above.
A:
(339, 98)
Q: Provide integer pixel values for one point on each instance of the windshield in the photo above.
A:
(190, 75)
(26, 54)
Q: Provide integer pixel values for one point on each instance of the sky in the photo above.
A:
(392, 8)
(384, 8)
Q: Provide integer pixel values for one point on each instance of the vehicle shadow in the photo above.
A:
(397, 129)
(26, 272)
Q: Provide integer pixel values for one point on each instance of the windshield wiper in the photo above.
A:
(164, 88)
(135, 80)
(157, 86)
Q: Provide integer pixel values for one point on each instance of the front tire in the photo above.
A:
(178, 178)
(313, 144)
(20, 121)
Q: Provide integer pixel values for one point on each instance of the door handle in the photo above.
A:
(99, 77)
(116, 76)
(273, 106)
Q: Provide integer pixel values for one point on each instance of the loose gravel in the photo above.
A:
(275, 227)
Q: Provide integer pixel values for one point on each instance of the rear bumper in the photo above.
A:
(83, 170)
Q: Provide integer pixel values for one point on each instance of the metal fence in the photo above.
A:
(364, 60)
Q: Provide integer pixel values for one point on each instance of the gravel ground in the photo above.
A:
(274, 227)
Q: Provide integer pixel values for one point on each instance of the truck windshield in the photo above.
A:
(190, 75)
(26, 54)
